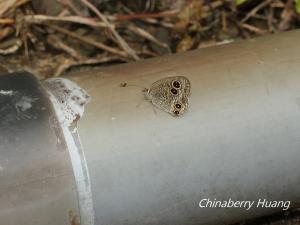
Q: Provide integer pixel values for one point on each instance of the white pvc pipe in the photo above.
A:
(239, 140)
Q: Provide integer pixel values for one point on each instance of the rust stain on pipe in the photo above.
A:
(74, 218)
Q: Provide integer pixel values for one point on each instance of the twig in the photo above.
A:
(7, 6)
(147, 36)
(148, 53)
(270, 20)
(64, 12)
(63, 66)
(224, 21)
(170, 13)
(68, 63)
(69, 4)
(7, 21)
(25, 41)
(6, 31)
(159, 22)
(214, 5)
(89, 41)
(147, 20)
(277, 4)
(260, 17)
(11, 49)
(286, 15)
(255, 10)
(59, 44)
(121, 41)
(39, 19)
(253, 28)
(206, 10)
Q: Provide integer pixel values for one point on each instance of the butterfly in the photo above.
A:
(171, 94)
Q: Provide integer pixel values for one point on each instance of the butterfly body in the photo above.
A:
(171, 94)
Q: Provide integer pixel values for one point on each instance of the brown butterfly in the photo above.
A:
(171, 94)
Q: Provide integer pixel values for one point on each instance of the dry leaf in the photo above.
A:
(190, 13)
(185, 44)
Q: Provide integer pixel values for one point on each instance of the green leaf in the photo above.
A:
(297, 2)
(239, 2)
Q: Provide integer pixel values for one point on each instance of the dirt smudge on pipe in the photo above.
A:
(74, 218)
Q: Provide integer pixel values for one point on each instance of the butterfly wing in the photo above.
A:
(171, 94)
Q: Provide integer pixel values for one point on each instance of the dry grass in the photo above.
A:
(49, 38)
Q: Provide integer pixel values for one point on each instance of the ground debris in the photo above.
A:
(51, 39)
